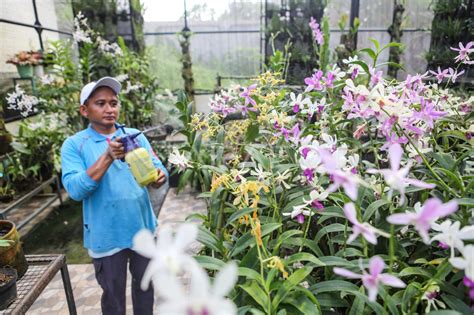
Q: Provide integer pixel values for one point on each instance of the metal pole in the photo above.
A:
(355, 5)
(186, 28)
(38, 28)
(132, 28)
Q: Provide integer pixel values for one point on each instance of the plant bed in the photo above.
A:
(8, 292)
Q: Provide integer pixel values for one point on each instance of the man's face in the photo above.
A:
(102, 108)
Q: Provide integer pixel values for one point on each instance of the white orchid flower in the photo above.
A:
(451, 235)
(299, 212)
(202, 298)
(466, 262)
(167, 254)
(179, 159)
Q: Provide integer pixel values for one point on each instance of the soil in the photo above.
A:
(4, 279)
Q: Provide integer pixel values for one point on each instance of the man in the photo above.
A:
(115, 207)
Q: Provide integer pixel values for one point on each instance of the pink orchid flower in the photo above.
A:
(463, 51)
(395, 176)
(367, 230)
(432, 210)
(374, 278)
(246, 94)
(440, 75)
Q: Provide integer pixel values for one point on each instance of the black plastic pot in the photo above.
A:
(173, 179)
(8, 291)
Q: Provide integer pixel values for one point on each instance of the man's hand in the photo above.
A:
(160, 181)
(115, 149)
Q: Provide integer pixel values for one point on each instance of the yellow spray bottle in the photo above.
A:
(139, 160)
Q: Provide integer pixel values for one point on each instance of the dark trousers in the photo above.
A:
(111, 274)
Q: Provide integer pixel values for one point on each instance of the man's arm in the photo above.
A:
(79, 181)
(100, 167)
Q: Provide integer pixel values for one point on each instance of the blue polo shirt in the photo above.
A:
(115, 208)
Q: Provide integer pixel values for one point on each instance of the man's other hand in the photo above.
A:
(160, 181)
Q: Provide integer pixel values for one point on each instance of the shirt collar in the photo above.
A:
(97, 137)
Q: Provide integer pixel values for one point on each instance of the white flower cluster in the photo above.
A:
(132, 87)
(20, 101)
(109, 49)
(82, 32)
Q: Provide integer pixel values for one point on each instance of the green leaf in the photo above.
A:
(298, 257)
(444, 159)
(252, 133)
(303, 304)
(239, 214)
(250, 274)
(248, 239)
(258, 156)
(415, 271)
(465, 201)
(456, 304)
(376, 44)
(256, 293)
(335, 227)
(358, 305)
(210, 263)
(333, 286)
(370, 52)
(207, 238)
(444, 312)
(289, 284)
(20, 147)
(374, 206)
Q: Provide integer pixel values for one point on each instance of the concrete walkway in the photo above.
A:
(87, 292)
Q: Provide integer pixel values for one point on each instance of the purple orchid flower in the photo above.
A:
(374, 278)
(365, 229)
(318, 35)
(395, 176)
(464, 52)
(314, 82)
(428, 113)
(440, 75)
(246, 94)
(432, 210)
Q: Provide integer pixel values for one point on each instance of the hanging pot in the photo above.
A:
(12, 255)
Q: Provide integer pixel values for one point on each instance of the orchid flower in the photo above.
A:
(396, 177)
(450, 234)
(202, 298)
(340, 178)
(299, 212)
(432, 210)
(365, 229)
(246, 94)
(179, 159)
(466, 262)
(167, 254)
(315, 198)
(463, 55)
(297, 102)
(261, 175)
(440, 75)
(281, 178)
(374, 278)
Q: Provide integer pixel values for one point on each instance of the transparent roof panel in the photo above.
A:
(22, 11)
(375, 13)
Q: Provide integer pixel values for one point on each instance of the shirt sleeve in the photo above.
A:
(156, 161)
(77, 183)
